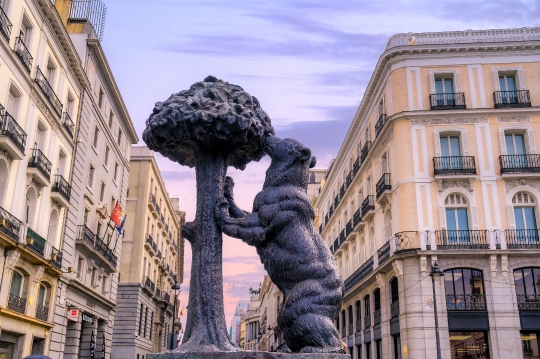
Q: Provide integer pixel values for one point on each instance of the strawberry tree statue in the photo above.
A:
(211, 126)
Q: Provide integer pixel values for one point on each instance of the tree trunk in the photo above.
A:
(206, 329)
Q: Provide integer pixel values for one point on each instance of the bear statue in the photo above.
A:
(292, 252)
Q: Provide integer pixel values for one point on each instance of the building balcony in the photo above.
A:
(365, 151)
(12, 136)
(35, 242)
(95, 245)
(40, 167)
(511, 164)
(16, 303)
(48, 92)
(56, 258)
(454, 165)
(349, 230)
(528, 302)
(150, 245)
(383, 186)
(23, 54)
(9, 225)
(522, 238)
(467, 302)
(367, 321)
(357, 219)
(148, 285)
(5, 25)
(152, 205)
(161, 221)
(511, 99)
(68, 124)
(462, 239)
(377, 317)
(356, 166)
(394, 309)
(42, 312)
(447, 101)
(368, 207)
(358, 275)
(61, 191)
(383, 254)
(383, 119)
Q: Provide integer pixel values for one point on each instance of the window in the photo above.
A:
(70, 104)
(367, 312)
(530, 343)
(42, 295)
(17, 281)
(119, 137)
(140, 319)
(527, 281)
(98, 230)
(104, 285)
(113, 202)
(464, 289)
(94, 278)
(13, 101)
(378, 347)
(86, 215)
(50, 73)
(107, 152)
(145, 321)
(96, 138)
(368, 350)
(91, 174)
(151, 324)
(102, 192)
(350, 317)
(469, 345)
(394, 306)
(80, 263)
(358, 311)
(359, 351)
(111, 117)
(397, 347)
(525, 217)
(100, 97)
(450, 153)
(456, 217)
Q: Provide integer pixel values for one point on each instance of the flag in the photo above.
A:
(120, 228)
(116, 215)
(92, 346)
(182, 311)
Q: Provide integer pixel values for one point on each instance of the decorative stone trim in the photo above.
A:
(5, 155)
(380, 280)
(447, 121)
(504, 265)
(38, 273)
(40, 104)
(514, 119)
(444, 184)
(31, 183)
(12, 259)
(513, 183)
(397, 265)
(423, 266)
(493, 265)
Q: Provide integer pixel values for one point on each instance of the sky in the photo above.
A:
(307, 62)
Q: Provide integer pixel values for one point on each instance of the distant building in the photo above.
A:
(251, 323)
(236, 323)
(315, 182)
(271, 299)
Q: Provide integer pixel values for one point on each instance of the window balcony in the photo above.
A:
(152, 205)
(368, 207)
(356, 166)
(367, 321)
(447, 101)
(349, 229)
(61, 191)
(48, 92)
(12, 136)
(56, 258)
(511, 99)
(9, 225)
(522, 238)
(95, 245)
(68, 124)
(365, 151)
(383, 185)
(519, 164)
(150, 245)
(462, 239)
(149, 285)
(42, 312)
(35, 242)
(16, 303)
(454, 165)
(5, 25)
(377, 317)
(40, 167)
(358, 275)
(357, 218)
(384, 253)
(383, 119)
(394, 309)
(528, 302)
(358, 323)
(23, 54)
(467, 302)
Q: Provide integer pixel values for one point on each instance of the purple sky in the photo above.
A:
(307, 62)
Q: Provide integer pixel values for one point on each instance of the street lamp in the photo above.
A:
(436, 272)
(176, 288)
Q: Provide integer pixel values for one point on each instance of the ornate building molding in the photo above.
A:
(38, 273)
(449, 121)
(514, 119)
(444, 184)
(34, 96)
(5, 156)
(504, 265)
(380, 280)
(36, 186)
(510, 184)
(12, 258)
(493, 265)
(397, 265)
(423, 266)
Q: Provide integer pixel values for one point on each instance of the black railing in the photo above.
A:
(384, 253)
(42, 312)
(41, 163)
(358, 322)
(158, 293)
(454, 165)
(394, 309)
(148, 283)
(16, 303)
(447, 101)
(522, 238)
(86, 235)
(462, 239)
(11, 129)
(528, 301)
(357, 217)
(356, 166)
(469, 302)
(383, 185)
(380, 124)
(368, 205)
(152, 200)
(167, 297)
(350, 329)
(349, 228)
(519, 163)
(48, 91)
(23, 54)
(367, 321)
(35, 242)
(61, 186)
(359, 274)
(9, 224)
(56, 258)
(68, 124)
(365, 151)
(377, 317)
(504, 99)
(5, 25)
(158, 254)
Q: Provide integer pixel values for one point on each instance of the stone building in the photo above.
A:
(149, 264)
(41, 84)
(440, 164)
(270, 337)
(251, 323)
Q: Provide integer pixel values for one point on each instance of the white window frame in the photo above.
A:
(454, 73)
(527, 131)
(519, 76)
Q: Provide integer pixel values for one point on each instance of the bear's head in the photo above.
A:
(291, 162)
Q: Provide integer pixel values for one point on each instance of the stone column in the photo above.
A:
(72, 344)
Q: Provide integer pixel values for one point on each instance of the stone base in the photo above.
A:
(246, 355)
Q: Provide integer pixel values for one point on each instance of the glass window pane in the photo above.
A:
(520, 144)
(502, 83)
(518, 214)
(439, 86)
(537, 280)
(467, 281)
(451, 224)
(469, 345)
(510, 83)
(529, 344)
(448, 86)
(41, 295)
(463, 222)
(445, 146)
(518, 280)
(458, 281)
(16, 284)
(477, 282)
(509, 145)
(454, 145)
(529, 218)
(529, 280)
(448, 282)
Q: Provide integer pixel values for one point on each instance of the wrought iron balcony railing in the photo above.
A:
(5, 25)
(158, 293)
(56, 258)
(68, 124)
(61, 186)
(86, 235)
(48, 91)
(149, 284)
(468, 302)
(42, 312)
(42, 163)
(505, 99)
(167, 297)
(367, 321)
(447, 101)
(358, 323)
(454, 165)
(384, 253)
(16, 303)
(520, 163)
(362, 272)
(9, 224)
(383, 119)
(365, 151)
(11, 129)
(383, 185)
(522, 238)
(528, 301)
(350, 329)
(462, 239)
(35, 242)
(394, 309)
(377, 317)
(368, 205)
(23, 54)
(357, 217)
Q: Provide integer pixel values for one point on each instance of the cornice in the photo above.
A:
(91, 294)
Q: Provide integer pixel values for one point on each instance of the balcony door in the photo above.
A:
(451, 153)
(507, 84)
(444, 88)
(515, 148)
(457, 221)
(525, 224)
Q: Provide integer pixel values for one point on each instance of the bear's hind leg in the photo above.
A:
(314, 333)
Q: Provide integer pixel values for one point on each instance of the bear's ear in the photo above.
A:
(313, 162)
(305, 154)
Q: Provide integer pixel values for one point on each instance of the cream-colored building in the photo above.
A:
(250, 321)
(41, 81)
(270, 337)
(440, 164)
(149, 263)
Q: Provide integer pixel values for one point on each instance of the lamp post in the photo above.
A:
(175, 287)
(436, 272)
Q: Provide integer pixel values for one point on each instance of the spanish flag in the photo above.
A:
(117, 215)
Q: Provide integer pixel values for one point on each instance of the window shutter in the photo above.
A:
(531, 141)
(465, 143)
(502, 143)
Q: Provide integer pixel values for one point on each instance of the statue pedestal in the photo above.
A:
(247, 355)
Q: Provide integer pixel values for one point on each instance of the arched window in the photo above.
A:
(368, 186)
(343, 331)
(52, 234)
(358, 311)
(464, 289)
(31, 205)
(394, 306)
(388, 225)
(377, 306)
(525, 218)
(372, 241)
(350, 316)
(457, 221)
(367, 312)
(42, 307)
(17, 291)
(527, 281)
